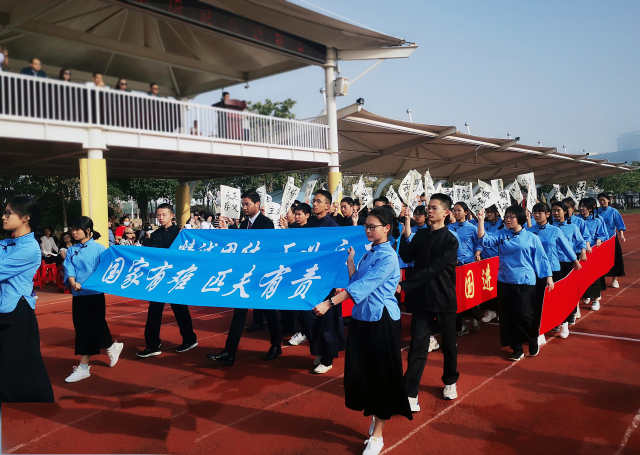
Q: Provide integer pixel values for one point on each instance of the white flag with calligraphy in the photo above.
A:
(230, 202)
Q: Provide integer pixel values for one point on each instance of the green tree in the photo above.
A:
(281, 109)
(145, 191)
(621, 183)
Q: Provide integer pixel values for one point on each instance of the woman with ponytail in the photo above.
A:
(88, 307)
(595, 223)
(373, 362)
(23, 376)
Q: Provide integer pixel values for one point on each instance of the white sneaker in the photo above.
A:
(578, 315)
(595, 306)
(488, 316)
(322, 369)
(78, 374)
(374, 446)
(297, 339)
(415, 406)
(586, 301)
(114, 352)
(317, 360)
(542, 340)
(450, 392)
(564, 330)
(615, 284)
(373, 424)
(433, 344)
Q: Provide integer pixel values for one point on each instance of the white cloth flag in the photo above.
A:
(405, 188)
(262, 192)
(438, 188)
(497, 185)
(514, 190)
(429, 189)
(503, 202)
(395, 200)
(230, 202)
(570, 194)
(367, 198)
(335, 197)
(354, 191)
(288, 196)
(308, 191)
(532, 196)
(457, 193)
(581, 190)
(272, 211)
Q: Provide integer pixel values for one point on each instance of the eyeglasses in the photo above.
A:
(123, 83)
(510, 217)
(67, 73)
(371, 227)
(318, 201)
(8, 213)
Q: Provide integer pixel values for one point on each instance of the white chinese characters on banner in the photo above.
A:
(230, 202)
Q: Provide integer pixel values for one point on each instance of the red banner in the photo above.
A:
(559, 303)
(476, 283)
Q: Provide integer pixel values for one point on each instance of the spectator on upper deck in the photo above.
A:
(34, 69)
(65, 75)
(97, 81)
(122, 85)
(4, 59)
(154, 90)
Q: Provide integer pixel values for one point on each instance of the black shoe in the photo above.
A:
(517, 355)
(255, 328)
(272, 353)
(533, 349)
(149, 352)
(184, 347)
(223, 357)
(463, 331)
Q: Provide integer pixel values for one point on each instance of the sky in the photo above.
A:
(562, 72)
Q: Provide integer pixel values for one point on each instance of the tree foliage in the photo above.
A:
(621, 183)
(281, 109)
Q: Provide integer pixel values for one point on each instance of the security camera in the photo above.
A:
(360, 101)
(518, 139)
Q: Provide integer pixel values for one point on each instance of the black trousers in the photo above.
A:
(154, 321)
(237, 327)
(258, 317)
(422, 326)
(290, 322)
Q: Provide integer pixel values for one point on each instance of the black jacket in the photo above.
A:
(434, 278)
(262, 222)
(162, 238)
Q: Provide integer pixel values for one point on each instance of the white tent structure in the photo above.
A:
(375, 145)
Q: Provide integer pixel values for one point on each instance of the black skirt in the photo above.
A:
(518, 309)
(618, 261)
(92, 331)
(23, 376)
(373, 369)
(325, 333)
(593, 291)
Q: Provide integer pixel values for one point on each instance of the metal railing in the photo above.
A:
(58, 101)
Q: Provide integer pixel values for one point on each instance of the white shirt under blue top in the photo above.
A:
(468, 236)
(597, 228)
(80, 262)
(582, 227)
(19, 261)
(572, 233)
(553, 240)
(373, 286)
(491, 227)
(521, 254)
(612, 220)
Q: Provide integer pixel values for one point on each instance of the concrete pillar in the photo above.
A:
(183, 203)
(332, 119)
(93, 185)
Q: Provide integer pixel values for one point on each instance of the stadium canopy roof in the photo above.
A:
(187, 46)
(375, 145)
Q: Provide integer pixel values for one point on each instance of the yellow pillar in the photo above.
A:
(93, 191)
(183, 203)
(334, 179)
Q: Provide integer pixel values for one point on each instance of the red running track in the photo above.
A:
(580, 395)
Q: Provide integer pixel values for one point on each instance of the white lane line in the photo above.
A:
(605, 336)
(631, 252)
(630, 430)
(264, 409)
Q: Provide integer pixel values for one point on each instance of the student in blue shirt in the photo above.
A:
(575, 219)
(88, 307)
(522, 259)
(470, 250)
(615, 225)
(23, 376)
(373, 362)
(492, 224)
(553, 241)
(595, 223)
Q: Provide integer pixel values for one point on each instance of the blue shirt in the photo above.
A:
(112, 238)
(19, 261)
(80, 262)
(492, 228)
(612, 220)
(597, 228)
(582, 227)
(572, 233)
(521, 254)
(373, 286)
(469, 243)
(553, 240)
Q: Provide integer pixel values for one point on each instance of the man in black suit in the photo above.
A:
(163, 237)
(34, 69)
(253, 220)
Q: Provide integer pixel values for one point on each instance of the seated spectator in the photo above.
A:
(125, 222)
(194, 221)
(4, 59)
(140, 236)
(122, 85)
(128, 237)
(154, 90)
(195, 131)
(208, 221)
(49, 247)
(65, 75)
(34, 69)
(65, 244)
(97, 81)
